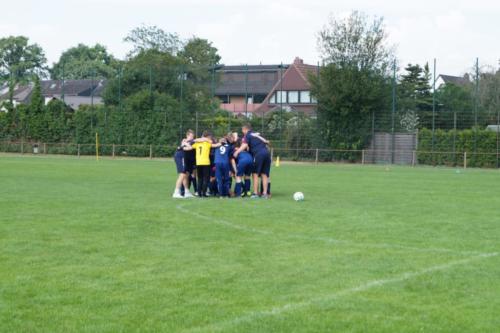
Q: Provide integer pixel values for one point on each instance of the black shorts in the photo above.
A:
(179, 162)
(189, 165)
(262, 163)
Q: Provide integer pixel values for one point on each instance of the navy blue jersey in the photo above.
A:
(244, 157)
(189, 155)
(222, 154)
(257, 146)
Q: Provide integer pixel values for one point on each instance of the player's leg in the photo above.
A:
(199, 179)
(266, 171)
(248, 174)
(255, 179)
(226, 181)
(179, 163)
(205, 179)
(219, 176)
(194, 181)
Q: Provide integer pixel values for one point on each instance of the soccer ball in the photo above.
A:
(298, 196)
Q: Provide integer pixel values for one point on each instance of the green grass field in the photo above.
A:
(90, 246)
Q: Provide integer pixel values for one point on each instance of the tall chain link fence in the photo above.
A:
(145, 109)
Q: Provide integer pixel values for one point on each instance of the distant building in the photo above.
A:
(259, 89)
(76, 92)
(443, 80)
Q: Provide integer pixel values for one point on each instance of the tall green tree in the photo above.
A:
(36, 110)
(356, 42)
(146, 38)
(85, 62)
(20, 61)
(414, 91)
(199, 51)
(354, 82)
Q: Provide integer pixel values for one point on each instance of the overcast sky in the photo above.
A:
(268, 31)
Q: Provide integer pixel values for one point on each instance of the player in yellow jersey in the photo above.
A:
(202, 147)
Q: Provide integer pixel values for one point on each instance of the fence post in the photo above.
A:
(363, 156)
(465, 160)
(113, 150)
(22, 146)
(45, 148)
(272, 155)
(150, 151)
(317, 155)
(414, 158)
(78, 150)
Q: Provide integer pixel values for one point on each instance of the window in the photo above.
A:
(281, 97)
(305, 97)
(293, 97)
(277, 96)
(272, 100)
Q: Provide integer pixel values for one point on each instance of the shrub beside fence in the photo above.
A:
(449, 147)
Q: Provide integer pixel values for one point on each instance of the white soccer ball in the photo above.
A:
(298, 196)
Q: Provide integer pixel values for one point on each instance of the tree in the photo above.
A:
(354, 42)
(414, 91)
(354, 82)
(200, 51)
(452, 99)
(85, 62)
(489, 97)
(20, 61)
(200, 58)
(145, 38)
(36, 110)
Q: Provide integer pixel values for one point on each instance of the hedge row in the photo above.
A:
(450, 146)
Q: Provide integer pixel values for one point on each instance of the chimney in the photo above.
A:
(298, 61)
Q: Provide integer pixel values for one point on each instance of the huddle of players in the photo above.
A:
(215, 162)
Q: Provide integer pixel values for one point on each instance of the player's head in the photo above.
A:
(246, 128)
(190, 134)
(237, 144)
(223, 140)
(206, 134)
(234, 136)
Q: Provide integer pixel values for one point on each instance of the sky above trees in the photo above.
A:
(453, 31)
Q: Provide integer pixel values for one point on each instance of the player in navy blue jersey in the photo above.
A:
(257, 146)
(242, 166)
(222, 167)
(184, 168)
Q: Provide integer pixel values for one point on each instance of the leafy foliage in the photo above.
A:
(85, 62)
(146, 38)
(20, 60)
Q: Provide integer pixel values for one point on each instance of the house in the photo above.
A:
(74, 92)
(443, 79)
(259, 89)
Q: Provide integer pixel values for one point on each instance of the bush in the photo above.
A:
(449, 147)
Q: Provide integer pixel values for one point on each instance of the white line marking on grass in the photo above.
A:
(278, 310)
(322, 239)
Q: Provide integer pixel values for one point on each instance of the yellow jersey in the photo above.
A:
(202, 152)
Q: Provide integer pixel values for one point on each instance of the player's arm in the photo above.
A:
(233, 164)
(202, 140)
(243, 147)
(257, 135)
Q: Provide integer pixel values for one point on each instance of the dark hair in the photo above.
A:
(247, 126)
(206, 134)
(237, 144)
